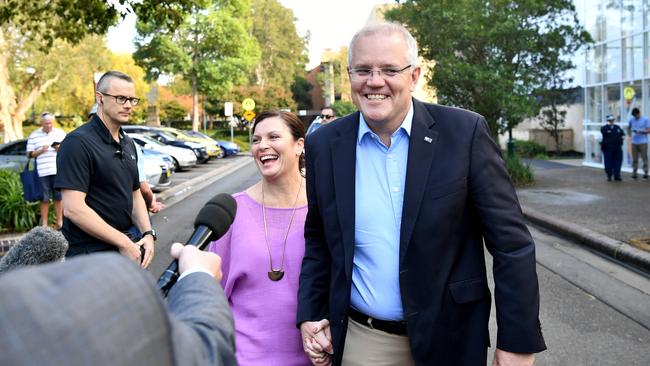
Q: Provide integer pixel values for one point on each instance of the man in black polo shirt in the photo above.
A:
(98, 178)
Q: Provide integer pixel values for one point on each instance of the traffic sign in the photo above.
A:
(248, 104)
(249, 115)
(628, 92)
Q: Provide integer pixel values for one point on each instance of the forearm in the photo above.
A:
(147, 194)
(139, 214)
(90, 222)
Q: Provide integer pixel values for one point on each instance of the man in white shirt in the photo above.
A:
(43, 145)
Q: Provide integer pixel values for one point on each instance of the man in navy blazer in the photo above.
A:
(403, 197)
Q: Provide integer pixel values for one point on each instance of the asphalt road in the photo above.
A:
(593, 311)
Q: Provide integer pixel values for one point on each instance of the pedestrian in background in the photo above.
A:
(43, 145)
(262, 252)
(326, 116)
(638, 128)
(611, 145)
(98, 179)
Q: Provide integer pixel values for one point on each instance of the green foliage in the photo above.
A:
(521, 174)
(15, 213)
(172, 111)
(492, 57)
(283, 51)
(240, 137)
(529, 149)
(343, 108)
(300, 90)
(269, 97)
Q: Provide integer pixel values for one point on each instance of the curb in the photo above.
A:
(602, 243)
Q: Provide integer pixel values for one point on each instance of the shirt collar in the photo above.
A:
(103, 132)
(406, 125)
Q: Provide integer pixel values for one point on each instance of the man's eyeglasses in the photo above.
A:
(121, 99)
(366, 73)
(326, 116)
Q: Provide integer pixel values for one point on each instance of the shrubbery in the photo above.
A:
(529, 149)
(15, 213)
(520, 173)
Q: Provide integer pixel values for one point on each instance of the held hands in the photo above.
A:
(147, 243)
(189, 256)
(317, 342)
(505, 358)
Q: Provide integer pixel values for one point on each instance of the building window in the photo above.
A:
(613, 61)
(633, 59)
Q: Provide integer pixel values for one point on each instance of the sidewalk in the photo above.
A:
(579, 202)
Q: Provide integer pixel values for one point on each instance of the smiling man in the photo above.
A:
(98, 179)
(402, 196)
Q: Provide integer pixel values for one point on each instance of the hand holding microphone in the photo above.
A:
(212, 222)
(190, 257)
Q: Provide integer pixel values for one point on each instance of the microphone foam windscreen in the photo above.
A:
(40, 245)
(217, 214)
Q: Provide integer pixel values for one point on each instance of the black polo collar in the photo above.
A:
(103, 132)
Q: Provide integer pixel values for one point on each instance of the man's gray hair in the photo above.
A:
(47, 116)
(388, 28)
(105, 80)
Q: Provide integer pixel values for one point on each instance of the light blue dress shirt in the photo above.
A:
(640, 124)
(379, 192)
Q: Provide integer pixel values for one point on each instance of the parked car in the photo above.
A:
(229, 148)
(199, 150)
(169, 161)
(13, 155)
(156, 170)
(182, 158)
(214, 151)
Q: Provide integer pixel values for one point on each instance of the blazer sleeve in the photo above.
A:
(507, 239)
(201, 323)
(314, 287)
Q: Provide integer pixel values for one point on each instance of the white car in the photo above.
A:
(183, 158)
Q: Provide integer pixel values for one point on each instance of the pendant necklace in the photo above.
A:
(277, 274)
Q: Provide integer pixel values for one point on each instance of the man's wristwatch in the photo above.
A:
(151, 232)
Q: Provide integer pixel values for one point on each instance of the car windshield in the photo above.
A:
(197, 134)
(168, 136)
(151, 141)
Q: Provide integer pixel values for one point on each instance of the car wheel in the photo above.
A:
(177, 166)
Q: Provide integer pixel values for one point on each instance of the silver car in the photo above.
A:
(183, 158)
(13, 155)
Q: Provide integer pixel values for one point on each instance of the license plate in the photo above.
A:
(169, 173)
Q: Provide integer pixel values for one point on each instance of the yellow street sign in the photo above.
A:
(248, 104)
(249, 115)
(628, 92)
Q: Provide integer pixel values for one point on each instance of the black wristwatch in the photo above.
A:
(151, 232)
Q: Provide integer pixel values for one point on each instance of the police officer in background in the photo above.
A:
(612, 148)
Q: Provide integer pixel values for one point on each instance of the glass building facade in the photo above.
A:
(618, 63)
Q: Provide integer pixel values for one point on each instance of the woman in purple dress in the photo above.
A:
(262, 252)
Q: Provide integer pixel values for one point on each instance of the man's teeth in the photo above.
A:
(376, 96)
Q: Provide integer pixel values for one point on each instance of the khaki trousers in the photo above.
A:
(365, 346)
(640, 150)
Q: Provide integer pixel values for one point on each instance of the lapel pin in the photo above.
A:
(427, 139)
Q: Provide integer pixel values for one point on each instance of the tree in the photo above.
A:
(343, 108)
(212, 49)
(47, 25)
(283, 51)
(552, 115)
(269, 97)
(493, 56)
(300, 90)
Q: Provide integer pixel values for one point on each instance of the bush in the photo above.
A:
(529, 149)
(520, 173)
(15, 213)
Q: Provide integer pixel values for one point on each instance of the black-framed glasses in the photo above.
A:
(121, 99)
(326, 116)
(363, 73)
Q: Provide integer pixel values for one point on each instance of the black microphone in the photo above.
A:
(40, 245)
(212, 222)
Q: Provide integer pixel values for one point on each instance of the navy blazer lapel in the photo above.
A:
(344, 153)
(422, 147)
